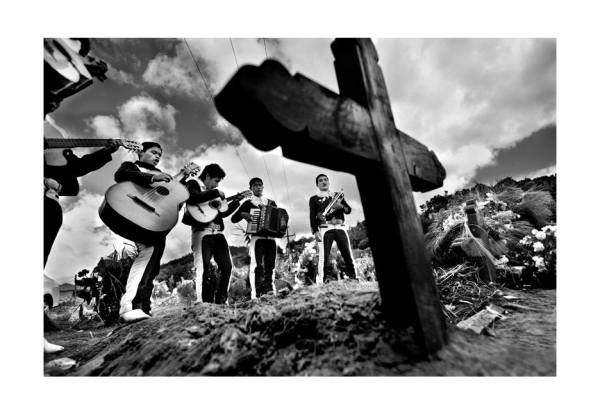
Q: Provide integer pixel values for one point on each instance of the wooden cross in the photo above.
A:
(353, 132)
(288, 236)
(486, 268)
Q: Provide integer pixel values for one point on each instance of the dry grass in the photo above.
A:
(462, 292)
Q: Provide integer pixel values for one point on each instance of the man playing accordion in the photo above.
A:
(263, 248)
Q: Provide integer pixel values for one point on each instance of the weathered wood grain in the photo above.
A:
(412, 269)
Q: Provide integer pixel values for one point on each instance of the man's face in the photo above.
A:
(257, 189)
(211, 182)
(323, 183)
(151, 156)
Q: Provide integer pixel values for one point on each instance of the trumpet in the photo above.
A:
(337, 196)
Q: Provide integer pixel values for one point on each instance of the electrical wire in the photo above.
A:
(213, 101)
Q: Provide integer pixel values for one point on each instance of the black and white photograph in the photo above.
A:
(325, 207)
(292, 207)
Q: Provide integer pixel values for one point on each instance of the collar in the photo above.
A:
(327, 193)
(146, 165)
(259, 201)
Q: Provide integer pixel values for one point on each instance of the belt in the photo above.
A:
(212, 228)
(262, 237)
(333, 226)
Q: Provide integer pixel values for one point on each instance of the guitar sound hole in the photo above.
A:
(161, 190)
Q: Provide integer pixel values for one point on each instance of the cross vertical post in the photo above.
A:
(408, 291)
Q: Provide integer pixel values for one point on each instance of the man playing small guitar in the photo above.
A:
(207, 238)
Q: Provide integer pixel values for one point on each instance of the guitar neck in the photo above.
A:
(230, 198)
(76, 142)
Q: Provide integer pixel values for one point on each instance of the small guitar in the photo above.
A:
(57, 150)
(143, 214)
(207, 211)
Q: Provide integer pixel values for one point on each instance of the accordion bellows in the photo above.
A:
(268, 221)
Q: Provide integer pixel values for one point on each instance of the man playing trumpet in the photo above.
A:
(327, 211)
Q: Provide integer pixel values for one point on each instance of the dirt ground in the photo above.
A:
(336, 329)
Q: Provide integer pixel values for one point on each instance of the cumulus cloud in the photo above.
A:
(458, 95)
(175, 75)
(143, 116)
(82, 239)
(105, 126)
(121, 76)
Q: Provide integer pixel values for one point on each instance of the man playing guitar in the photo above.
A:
(330, 227)
(135, 303)
(207, 238)
(62, 181)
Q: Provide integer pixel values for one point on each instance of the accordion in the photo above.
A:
(268, 221)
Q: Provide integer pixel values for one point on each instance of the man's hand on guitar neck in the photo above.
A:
(161, 177)
(242, 195)
(112, 146)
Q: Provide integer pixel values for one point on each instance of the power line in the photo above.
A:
(213, 101)
(265, 43)
(234, 55)
(263, 154)
(287, 187)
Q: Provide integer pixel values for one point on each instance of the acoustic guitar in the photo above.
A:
(57, 150)
(143, 214)
(207, 211)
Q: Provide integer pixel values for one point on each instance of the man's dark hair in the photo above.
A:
(320, 175)
(149, 144)
(255, 180)
(212, 170)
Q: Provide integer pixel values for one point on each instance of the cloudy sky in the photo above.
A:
(487, 107)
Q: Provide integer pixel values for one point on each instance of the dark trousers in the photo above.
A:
(53, 218)
(216, 246)
(144, 291)
(265, 251)
(343, 243)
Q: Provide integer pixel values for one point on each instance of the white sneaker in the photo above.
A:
(134, 315)
(52, 348)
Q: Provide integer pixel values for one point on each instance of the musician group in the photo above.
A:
(127, 212)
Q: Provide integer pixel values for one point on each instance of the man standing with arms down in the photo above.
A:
(330, 227)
